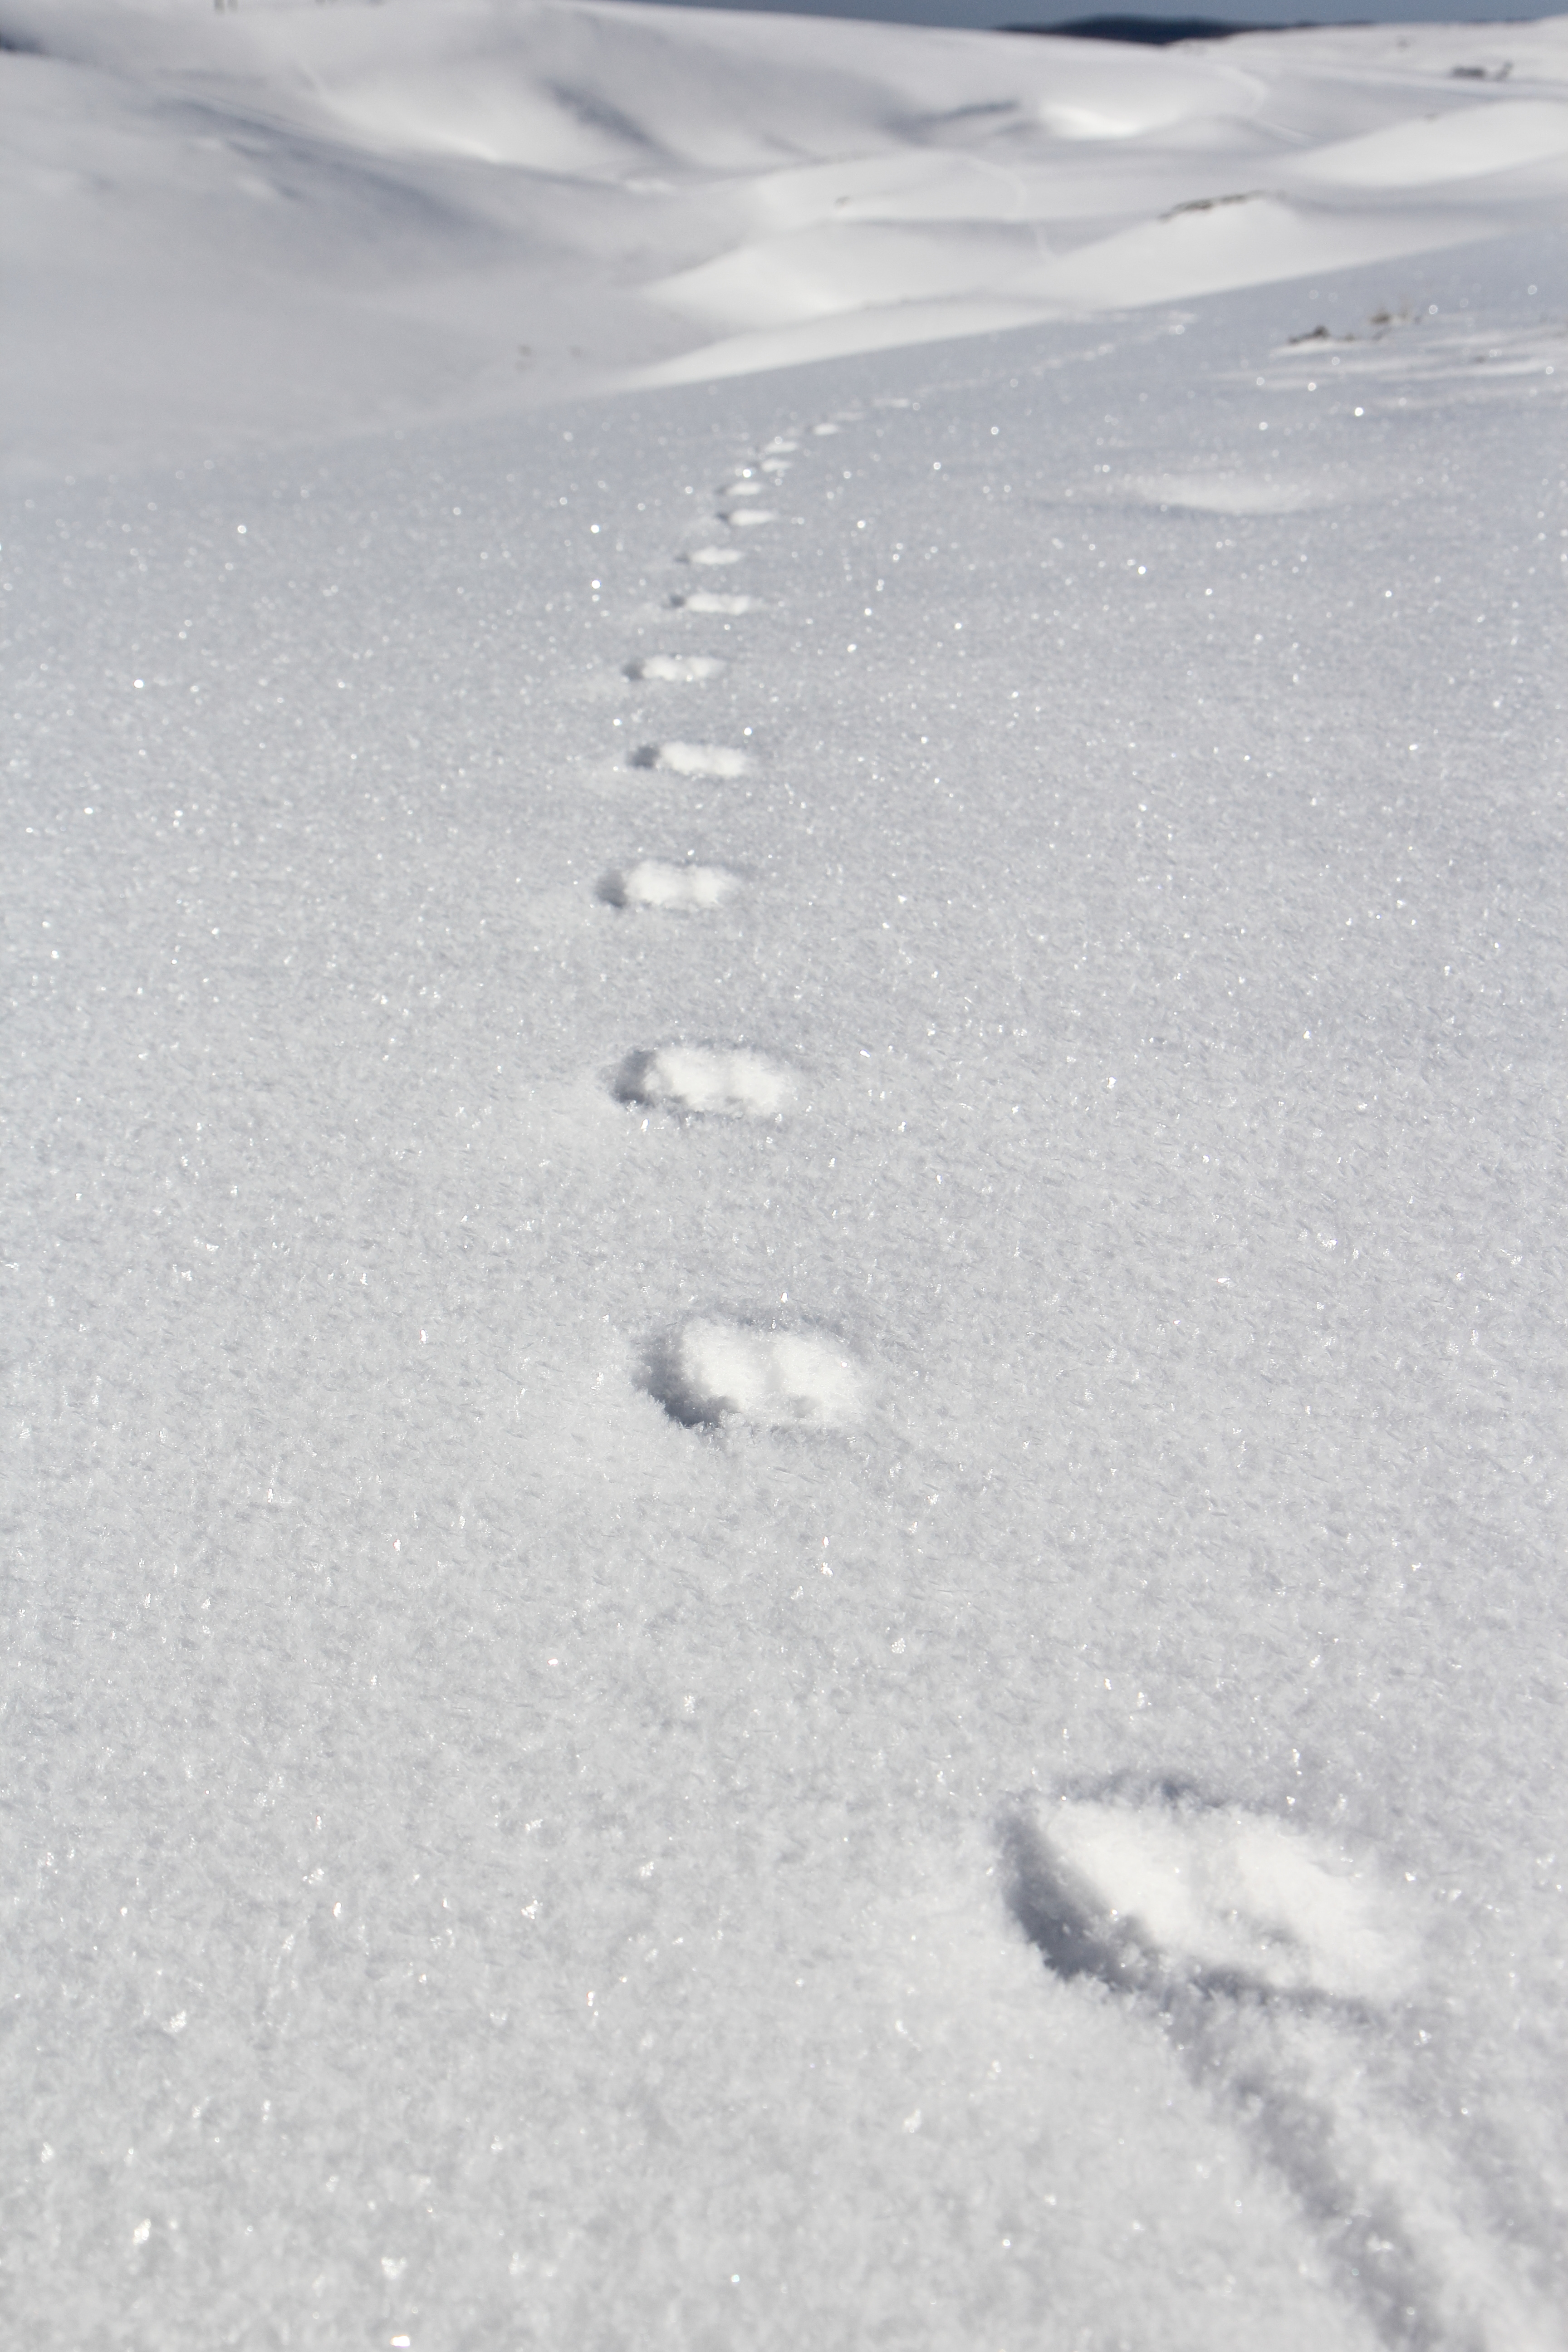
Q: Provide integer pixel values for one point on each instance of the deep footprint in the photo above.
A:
(1162, 1889)
(725, 1080)
(711, 1372)
(683, 889)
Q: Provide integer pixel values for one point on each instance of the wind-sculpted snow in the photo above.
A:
(456, 210)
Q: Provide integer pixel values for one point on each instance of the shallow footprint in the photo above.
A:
(675, 669)
(711, 1371)
(704, 600)
(727, 1081)
(692, 759)
(712, 555)
(695, 889)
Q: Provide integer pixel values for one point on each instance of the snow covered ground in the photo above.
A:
(236, 229)
(782, 1172)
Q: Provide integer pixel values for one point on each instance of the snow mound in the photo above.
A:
(1165, 1889)
(692, 759)
(723, 1079)
(695, 889)
(197, 196)
(675, 669)
(712, 1370)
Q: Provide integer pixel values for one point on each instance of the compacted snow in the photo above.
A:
(783, 1427)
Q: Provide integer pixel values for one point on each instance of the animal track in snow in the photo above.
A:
(727, 1081)
(712, 555)
(704, 600)
(747, 518)
(741, 489)
(675, 669)
(711, 1370)
(1262, 1946)
(692, 759)
(1171, 1890)
(695, 889)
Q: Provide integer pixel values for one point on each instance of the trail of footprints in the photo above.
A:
(1261, 1950)
(712, 1370)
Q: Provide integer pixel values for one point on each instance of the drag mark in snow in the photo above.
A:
(703, 600)
(675, 669)
(727, 1080)
(692, 759)
(712, 555)
(687, 890)
(711, 1371)
(1265, 1953)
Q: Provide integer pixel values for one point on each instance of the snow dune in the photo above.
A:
(286, 220)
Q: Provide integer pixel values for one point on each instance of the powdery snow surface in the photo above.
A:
(784, 1538)
(266, 222)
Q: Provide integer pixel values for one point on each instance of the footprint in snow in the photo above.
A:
(746, 517)
(678, 889)
(727, 1081)
(675, 669)
(711, 555)
(692, 759)
(704, 600)
(711, 1372)
(1149, 1896)
(779, 446)
(741, 488)
(1267, 1953)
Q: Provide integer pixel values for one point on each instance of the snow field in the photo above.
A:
(625, 1839)
(466, 211)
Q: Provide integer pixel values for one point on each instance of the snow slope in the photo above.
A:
(225, 229)
(784, 1298)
